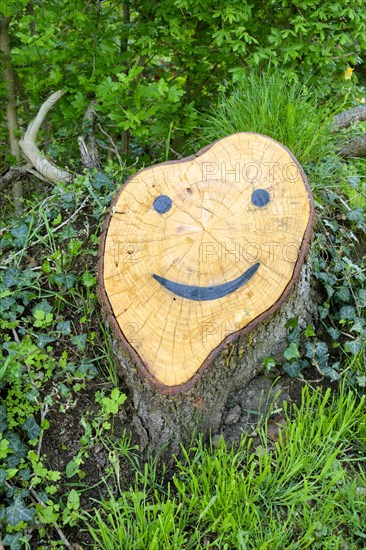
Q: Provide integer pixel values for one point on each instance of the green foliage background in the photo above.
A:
(151, 65)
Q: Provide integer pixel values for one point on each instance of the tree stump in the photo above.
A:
(202, 263)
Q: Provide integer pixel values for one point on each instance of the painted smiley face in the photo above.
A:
(163, 204)
(197, 249)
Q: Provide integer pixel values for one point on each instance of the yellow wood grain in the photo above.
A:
(211, 235)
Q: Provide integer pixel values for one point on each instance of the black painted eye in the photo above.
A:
(260, 197)
(162, 204)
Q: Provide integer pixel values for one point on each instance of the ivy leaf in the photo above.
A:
(321, 348)
(292, 369)
(334, 333)
(14, 541)
(44, 339)
(294, 335)
(362, 296)
(101, 180)
(358, 326)
(21, 234)
(309, 331)
(292, 351)
(3, 476)
(67, 280)
(3, 418)
(11, 277)
(19, 512)
(79, 340)
(347, 312)
(331, 373)
(31, 427)
(292, 323)
(44, 306)
(353, 346)
(19, 448)
(64, 327)
(356, 215)
(67, 233)
(343, 294)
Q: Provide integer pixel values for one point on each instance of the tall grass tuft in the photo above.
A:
(272, 105)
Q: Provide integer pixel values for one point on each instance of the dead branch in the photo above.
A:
(46, 168)
(346, 118)
(87, 143)
(356, 147)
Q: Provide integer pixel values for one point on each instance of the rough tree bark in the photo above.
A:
(355, 147)
(11, 109)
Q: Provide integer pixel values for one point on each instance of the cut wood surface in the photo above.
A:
(196, 252)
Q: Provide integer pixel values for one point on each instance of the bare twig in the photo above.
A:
(114, 146)
(47, 169)
(43, 416)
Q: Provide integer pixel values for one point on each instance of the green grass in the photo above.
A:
(270, 105)
(306, 491)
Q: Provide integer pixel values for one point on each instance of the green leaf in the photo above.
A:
(79, 340)
(11, 277)
(3, 418)
(320, 349)
(44, 306)
(353, 346)
(334, 333)
(73, 500)
(358, 325)
(20, 233)
(292, 351)
(330, 373)
(291, 323)
(14, 541)
(47, 515)
(64, 327)
(362, 297)
(67, 280)
(309, 331)
(343, 294)
(31, 427)
(356, 215)
(19, 512)
(101, 181)
(88, 280)
(347, 312)
(361, 381)
(72, 468)
(293, 369)
(3, 475)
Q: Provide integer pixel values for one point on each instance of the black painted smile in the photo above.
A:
(205, 293)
